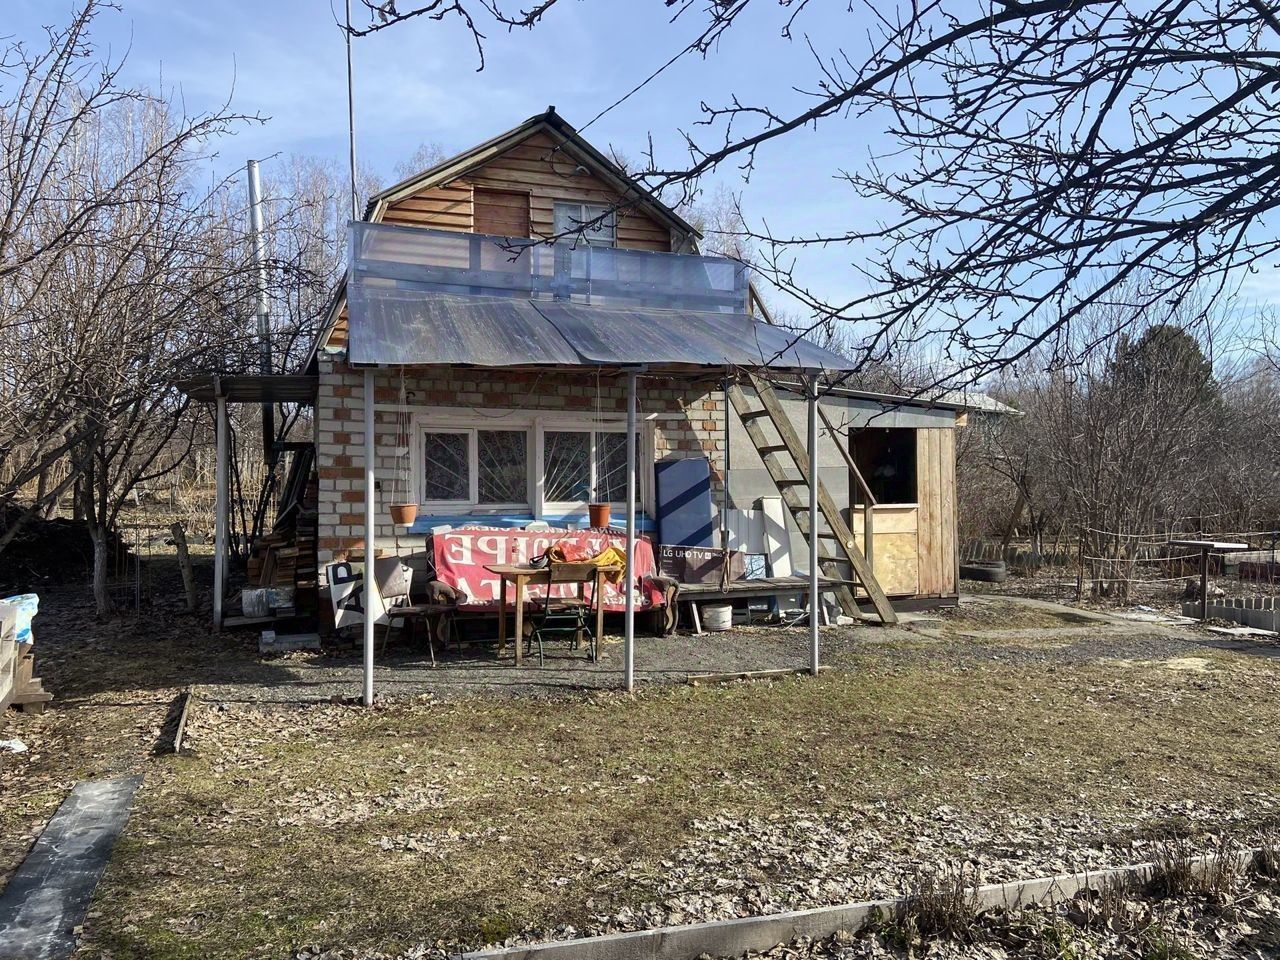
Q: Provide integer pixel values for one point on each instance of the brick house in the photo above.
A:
(504, 446)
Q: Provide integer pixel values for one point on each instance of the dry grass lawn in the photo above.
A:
(469, 821)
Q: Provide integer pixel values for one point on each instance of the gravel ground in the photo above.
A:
(1047, 634)
(403, 673)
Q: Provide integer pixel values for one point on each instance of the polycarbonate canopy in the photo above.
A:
(419, 296)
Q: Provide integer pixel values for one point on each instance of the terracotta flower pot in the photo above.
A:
(598, 514)
(403, 513)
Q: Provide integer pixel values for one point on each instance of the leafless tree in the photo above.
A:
(1045, 154)
(64, 190)
(1119, 444)
(425, 157)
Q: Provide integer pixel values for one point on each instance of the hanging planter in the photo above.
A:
(598, 515)
(403, 513)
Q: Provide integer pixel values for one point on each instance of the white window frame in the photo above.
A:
(535, 425)
(423, 426)
(586, 212)
(607, 426)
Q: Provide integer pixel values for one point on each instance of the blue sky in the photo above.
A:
(417, 82)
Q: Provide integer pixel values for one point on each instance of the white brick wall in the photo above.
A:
(689, 422)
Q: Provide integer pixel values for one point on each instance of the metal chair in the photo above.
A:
(566, 616)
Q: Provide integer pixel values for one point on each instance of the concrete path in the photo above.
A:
(48, 895)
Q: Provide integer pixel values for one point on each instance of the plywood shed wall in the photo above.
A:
(914, 552)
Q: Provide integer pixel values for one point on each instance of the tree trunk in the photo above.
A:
(101, 561)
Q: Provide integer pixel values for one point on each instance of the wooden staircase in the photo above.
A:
(787, 460)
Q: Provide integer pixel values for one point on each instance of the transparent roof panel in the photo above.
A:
(417, 296)
(390, 326)
(471, 264)
(602, 335)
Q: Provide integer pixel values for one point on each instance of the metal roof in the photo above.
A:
(252, 388)
(393, 327)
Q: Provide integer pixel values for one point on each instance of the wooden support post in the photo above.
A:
(221, 507)
(1204, 584)
(184, 564)
(868, 498)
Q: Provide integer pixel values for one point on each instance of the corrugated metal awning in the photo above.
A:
(252, 387)
(393, 327)
(411, 327)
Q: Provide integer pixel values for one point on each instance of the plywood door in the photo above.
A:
(936, 480)
(895, 559)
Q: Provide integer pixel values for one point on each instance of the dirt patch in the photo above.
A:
(998, 614)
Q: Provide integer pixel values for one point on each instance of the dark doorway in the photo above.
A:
(886, 457)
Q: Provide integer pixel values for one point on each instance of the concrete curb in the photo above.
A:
(732, 938)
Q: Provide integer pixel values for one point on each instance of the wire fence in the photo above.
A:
(1088, 564)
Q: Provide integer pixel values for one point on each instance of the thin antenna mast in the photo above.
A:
(351, 117)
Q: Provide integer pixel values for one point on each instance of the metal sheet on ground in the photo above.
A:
(48, 895)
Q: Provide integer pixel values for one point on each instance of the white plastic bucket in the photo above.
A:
(717, 617)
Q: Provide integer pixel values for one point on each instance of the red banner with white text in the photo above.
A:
(460, 558)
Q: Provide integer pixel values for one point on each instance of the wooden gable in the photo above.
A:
(535, 167)
(520, 184)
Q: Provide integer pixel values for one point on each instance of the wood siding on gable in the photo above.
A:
(501, 213)
(534, 168)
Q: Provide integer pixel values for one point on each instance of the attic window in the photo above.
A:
(570, 217)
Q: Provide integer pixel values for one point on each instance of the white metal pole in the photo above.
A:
(258, 236)
(220, 504)
(815, 602)
(629, 635)
(370, 547)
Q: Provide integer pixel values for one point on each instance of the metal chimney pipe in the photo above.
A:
(258, 235)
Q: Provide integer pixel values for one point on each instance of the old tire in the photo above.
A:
(987, 571)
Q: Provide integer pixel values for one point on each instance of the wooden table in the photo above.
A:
(522, 576)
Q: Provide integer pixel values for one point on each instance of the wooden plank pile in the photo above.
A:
(285, 558)
(19, 686)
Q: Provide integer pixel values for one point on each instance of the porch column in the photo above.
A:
(220, 507)
(629, 633)
(815, 601)
(370, 547)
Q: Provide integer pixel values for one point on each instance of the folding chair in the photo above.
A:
(566, 616)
